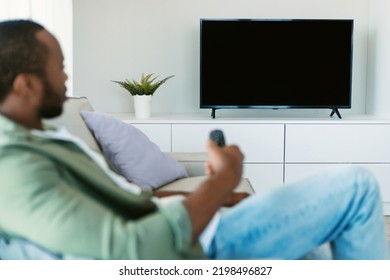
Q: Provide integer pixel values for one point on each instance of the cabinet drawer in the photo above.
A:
(264, 177)
(380, 171)
(259, 143)
(338, 143)
(160, 134)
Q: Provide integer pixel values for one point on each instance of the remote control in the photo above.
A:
(218, 137)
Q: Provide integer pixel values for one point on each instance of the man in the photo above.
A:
(81, 211)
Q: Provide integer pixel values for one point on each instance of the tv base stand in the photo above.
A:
(335, 110)
(213, 112)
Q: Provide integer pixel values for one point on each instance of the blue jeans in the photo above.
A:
(339, 206)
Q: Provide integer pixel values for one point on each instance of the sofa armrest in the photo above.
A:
(193, 162)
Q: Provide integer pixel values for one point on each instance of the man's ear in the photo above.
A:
(20, 83)
(26, 85)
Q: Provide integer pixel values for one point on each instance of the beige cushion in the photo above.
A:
(193, 162)
(73, 121)
(191, 183)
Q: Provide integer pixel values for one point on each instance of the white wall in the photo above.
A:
(117, 39)
(56, 16)
(378, 82)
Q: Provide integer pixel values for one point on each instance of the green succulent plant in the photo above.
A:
(146, 86)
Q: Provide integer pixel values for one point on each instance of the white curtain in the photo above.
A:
(55, 15)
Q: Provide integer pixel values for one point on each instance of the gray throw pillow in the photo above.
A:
(133, 154)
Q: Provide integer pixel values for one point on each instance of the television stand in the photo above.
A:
(335, 110)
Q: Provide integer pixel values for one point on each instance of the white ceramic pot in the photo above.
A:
(142, 104)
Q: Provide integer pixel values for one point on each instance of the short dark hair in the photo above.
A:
(20, 52)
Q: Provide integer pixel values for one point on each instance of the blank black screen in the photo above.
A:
(276, 63)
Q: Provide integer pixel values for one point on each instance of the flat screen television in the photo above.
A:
(283, 63)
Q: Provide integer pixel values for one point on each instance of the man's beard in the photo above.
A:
(52, 104)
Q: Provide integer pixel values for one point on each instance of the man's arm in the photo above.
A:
(224, 175)
(233, 199)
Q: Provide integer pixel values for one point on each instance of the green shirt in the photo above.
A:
(52, 193)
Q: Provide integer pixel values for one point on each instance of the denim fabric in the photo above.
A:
(339, 206)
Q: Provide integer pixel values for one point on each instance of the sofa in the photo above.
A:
(192, 162)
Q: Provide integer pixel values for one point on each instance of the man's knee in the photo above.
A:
(363, 179)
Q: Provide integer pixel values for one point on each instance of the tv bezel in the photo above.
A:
(324, 106)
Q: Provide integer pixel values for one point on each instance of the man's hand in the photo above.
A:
(224, 169)
(228, 157)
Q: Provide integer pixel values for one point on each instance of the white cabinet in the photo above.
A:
(281, 151)
(262, 146)
(335, 143)
(264, 177)
(160, 134)
(380, 171)
(260, 143)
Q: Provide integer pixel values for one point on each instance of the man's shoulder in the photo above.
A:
(16, 140)
(21, 152)
(11, 132)
(22, 157)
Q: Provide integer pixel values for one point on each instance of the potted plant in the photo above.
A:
(142, 92)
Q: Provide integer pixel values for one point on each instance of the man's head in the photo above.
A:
(31, 69)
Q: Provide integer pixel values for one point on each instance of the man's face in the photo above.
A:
(53, 84)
